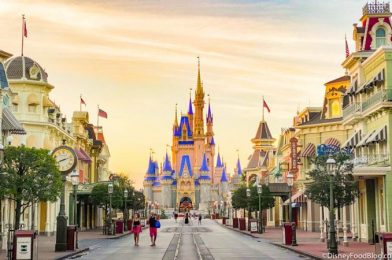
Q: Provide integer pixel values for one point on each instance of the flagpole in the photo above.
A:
(262, 117)
(23, 18)
(80, 103)
(98, 116)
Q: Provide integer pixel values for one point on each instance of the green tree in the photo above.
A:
(239, 199)
(267, 200)
(345, 188)
(30, 175)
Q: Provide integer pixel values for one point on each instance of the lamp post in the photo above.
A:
(331, 170)
(109, 220)
(61, 230)
(125, 210)
(249, 216)
(290, 183)
(259, 192)
(75, 182)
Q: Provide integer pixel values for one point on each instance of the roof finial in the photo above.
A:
(175, 116)
(199, 84)
(190, 110)
(238, 153)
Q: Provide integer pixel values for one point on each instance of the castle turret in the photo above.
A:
(190, 111)
(218, 170)
(198, 129)
(224, 182)
(166, 182)
(176, 136)
(149, 180)
(205, 185)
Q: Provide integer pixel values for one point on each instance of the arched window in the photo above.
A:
(380, 37)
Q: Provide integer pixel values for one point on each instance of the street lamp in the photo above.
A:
(125, 210)
(331, 170)
(290, 183)
(249, 216)
(259, 192)
(75, 182)
(109, 222)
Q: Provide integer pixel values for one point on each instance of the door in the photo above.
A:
(42, 216)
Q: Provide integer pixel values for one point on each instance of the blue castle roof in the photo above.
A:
(204, 166)
(204, 177)
(185, 162)
(166, 177)
(219, 163)
(167, 165)
(150, 178)
(239, 170)
(209, 114)
(156, 183)
(224, 177)
(197, 183)
(212, 141)
(190, 110)
(174, 183)
(151, 167)
(184, 121)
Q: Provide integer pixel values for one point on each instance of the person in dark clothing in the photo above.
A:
(200, 219)
(186, 218)
(153, 230)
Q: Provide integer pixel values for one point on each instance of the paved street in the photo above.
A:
(176, 241)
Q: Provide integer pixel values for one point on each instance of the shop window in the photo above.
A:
(380, 37)
(335, 108)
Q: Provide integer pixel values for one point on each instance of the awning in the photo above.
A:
(295, 197)
(363, 140)
(309, 151)
(10, 123)
(47, 102)
(15, 99)
(379, 135)
(373, 82)
(82, 155)
(353, 141)
(332, 141)
(32, 99)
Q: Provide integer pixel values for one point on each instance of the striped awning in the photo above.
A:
(10, 123)
(332, 141)
(365, 138)
(378, 136)
(373, 82)
(353, 140)
(310, 150)
(297, 197)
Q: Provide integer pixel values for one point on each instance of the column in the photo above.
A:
(345, 242)
(322, 238)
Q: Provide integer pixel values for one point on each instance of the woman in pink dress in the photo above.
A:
(137, 228)
(153, 230)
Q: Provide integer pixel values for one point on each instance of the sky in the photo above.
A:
(137, 58)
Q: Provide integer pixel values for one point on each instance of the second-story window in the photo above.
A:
(380, 37)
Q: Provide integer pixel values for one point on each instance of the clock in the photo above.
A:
(66, 158)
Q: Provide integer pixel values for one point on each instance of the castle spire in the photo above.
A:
(190, 110)
(199, 84)
(199, 106)
(175, 116)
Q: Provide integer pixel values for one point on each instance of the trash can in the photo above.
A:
(242, 223)
(383, 243)
(130, 224)
(235, 222)
(287, 233)
(71, 237)
(23, 244)
(119, 226)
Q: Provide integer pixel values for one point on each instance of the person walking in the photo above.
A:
(175, 216)
(153, 229)
(136, 228)
(187, 218)
(199, 219)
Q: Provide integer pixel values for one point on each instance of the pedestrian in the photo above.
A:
(175, 216)
(153, 230)
(200, 219)
(137, 228)
(186, 218)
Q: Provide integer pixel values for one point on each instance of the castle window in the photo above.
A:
(380, 37)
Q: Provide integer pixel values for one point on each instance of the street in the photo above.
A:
(177, 241)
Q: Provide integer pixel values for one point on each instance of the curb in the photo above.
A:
(273, 243)
(73, 254)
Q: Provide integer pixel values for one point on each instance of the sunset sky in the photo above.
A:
(137, 59)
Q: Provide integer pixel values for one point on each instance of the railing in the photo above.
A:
(371, 160)
(375, 8)
(375, 99)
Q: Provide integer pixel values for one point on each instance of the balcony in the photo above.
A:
(356, 111)
(371, 160)
(376, 8)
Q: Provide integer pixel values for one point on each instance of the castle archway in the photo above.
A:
(185, 204)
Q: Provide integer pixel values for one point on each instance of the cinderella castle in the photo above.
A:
(191, 179)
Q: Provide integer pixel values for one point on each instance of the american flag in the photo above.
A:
(24, 27)
(102, 113)
(347, 50)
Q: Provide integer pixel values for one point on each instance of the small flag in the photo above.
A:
(82, 101)
(102, 113)
(24, 27)
(347, 50)
(266, 106)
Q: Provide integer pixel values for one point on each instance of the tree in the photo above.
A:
(267, 200)
(344, 186)
(239, 199)
(30, 176)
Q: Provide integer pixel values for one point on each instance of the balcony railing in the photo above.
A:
(371, 160)
(373, 100)
(375, 8)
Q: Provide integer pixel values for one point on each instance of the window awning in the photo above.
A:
(47, 102)
(373, 82)
(32, 100)
(353, 141)
(310, 150)
(295, 197)
(378, 135)
(364, 139)
(10, 123)
(82, 155)
(332, 141)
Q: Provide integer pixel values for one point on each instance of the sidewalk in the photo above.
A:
(87, 239)
(309, 244)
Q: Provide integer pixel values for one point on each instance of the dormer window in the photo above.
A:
(380, 37)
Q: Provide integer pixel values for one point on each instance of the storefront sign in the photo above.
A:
(253, 226)
(294, 154)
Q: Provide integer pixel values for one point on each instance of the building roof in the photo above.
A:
(212, 141)
(239, 170)
(22, 67)
(185, 165)
(315, 119)
(151, 167)
(219, 163)
(184, 122)
(10, 123)
(190, 110)
(82, 155)
(224, 176)
(340, 79)
(209, 114)
(204, 166)
(167, 165)
(256, 158)
(204, 177)
(263, 131)
(3, 77)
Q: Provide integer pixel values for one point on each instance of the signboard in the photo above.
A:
(23, 248)
(294, 154)
(389, 249)
(253, 226)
